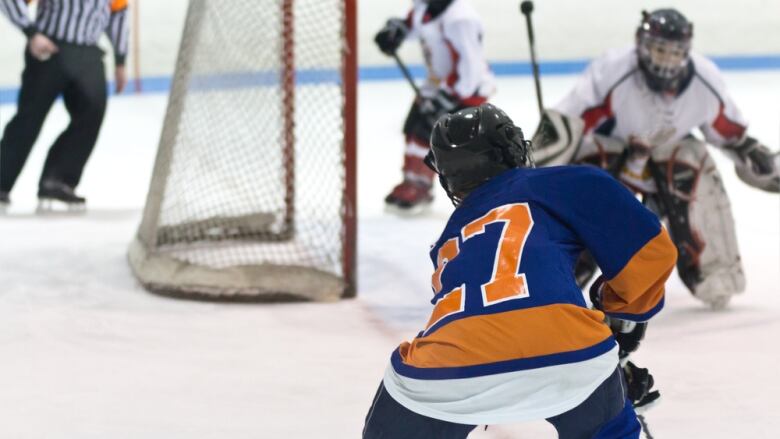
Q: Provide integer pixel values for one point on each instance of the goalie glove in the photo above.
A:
(390, 37)
(756, 165)
(557, 138)
(639, 387)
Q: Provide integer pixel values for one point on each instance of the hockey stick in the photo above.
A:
(407, 74)
(643, 422)
(526, 8)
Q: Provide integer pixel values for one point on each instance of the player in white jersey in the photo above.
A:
(458, 76)
(633, 112)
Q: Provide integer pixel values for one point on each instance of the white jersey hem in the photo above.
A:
(499, 414)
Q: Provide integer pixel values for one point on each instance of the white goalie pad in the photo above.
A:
(557, 138)
(711, 221)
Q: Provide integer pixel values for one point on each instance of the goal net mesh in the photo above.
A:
(247, 199)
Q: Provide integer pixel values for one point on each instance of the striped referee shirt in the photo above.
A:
(74, 21)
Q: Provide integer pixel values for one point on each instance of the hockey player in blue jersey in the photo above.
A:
(510, 337)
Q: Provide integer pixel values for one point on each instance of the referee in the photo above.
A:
(62, 58)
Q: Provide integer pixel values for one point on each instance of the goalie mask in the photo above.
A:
(663, 46)
(473, 145)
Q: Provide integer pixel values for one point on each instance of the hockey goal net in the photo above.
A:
(252, 194)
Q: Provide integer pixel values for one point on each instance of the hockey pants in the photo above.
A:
(606, 414)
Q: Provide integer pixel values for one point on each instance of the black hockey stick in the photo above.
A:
(407, 74)
(643, 422)
(526, 8)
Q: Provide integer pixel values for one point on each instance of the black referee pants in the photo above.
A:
(77, 74)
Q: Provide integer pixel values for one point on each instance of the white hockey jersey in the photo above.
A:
(613, 99)
(452, 47)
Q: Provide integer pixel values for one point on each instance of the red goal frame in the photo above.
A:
(349, 78)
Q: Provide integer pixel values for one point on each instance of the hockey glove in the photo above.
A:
(639, 387)
(628, 334)
(435, 106)
(390, 37)
(556, 138)
(756, 165)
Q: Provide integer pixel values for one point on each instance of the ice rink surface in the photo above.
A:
(86, 353)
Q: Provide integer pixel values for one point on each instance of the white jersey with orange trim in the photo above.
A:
(510, 337)
(613, 99)
(452, 47)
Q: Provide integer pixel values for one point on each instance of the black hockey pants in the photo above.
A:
(77, 74)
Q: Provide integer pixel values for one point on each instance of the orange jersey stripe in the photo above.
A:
(510, 335)
(639, 286)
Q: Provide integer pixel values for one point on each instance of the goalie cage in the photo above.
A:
(252, 196)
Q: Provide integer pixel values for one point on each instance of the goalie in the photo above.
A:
(458, 77)
(632, 113)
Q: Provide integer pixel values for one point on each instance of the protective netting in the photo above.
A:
(248, 194)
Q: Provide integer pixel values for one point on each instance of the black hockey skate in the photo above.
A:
(5, 201)
(54, 195)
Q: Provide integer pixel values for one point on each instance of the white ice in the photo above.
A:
(86, 353)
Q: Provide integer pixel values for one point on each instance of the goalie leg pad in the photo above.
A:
(701, 222)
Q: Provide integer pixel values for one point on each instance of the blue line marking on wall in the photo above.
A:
(162, 84)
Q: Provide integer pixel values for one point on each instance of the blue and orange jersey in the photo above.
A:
(510, 336)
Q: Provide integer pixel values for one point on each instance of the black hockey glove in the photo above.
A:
(390, 37)
(757, 165)
(628, 334)
(436, 106)
(639, 386)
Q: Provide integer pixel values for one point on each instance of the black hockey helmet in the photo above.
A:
(663, 46)
(473, 145)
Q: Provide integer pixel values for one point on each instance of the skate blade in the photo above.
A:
(408, 212)
(51, 206)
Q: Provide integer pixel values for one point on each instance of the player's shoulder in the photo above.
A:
(617, 61)
(550, 185)
(708, 73)
(613, 66)
(585, 174)
(704, 65)
(571, 186)
(460, 10)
